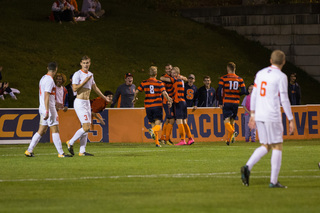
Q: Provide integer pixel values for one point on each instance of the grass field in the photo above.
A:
(141, 178)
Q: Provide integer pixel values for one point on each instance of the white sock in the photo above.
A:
(11, 94)
(275, 165)
(256, 156)
(34, 141)
(83, 142)
(76, 136)
(57, 142)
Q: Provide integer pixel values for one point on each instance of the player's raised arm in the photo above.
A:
(76, 87)
(165, 79)
(182, 78)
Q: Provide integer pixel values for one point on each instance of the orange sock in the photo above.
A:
(168, 131)
(156, 128)
(181, 131)
(157, 138)
(230, 130)
(187, 129)
(164, 129)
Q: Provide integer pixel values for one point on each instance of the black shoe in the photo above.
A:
(70, 148)
(85, 154)
(245, 174)
(228, 143)
(277, 185)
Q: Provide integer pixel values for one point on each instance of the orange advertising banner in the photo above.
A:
(131, 125)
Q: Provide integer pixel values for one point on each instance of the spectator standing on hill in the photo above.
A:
(206, 94)
(71, 94)
(125, 93)
(246, 105)
(62, 11)
(61, 92)
(294, 90)
(191, 92)
(4, 87)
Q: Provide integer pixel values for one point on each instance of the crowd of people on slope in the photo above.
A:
(68, 11)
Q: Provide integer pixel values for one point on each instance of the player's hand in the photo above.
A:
(102, 122)
(292, 127)
(221, 106)
(252, 123)
(47, 116)
(194, 108)
(134, 100)
(107, 99)
(65, 109)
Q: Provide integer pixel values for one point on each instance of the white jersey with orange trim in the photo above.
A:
(80, 76)
(47, 84)
(270, 89)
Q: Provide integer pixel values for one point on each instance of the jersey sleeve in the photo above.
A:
(49, 86)
(283, 90)
(140, 87)
(76, 78)
(221, 82)
(254, 95)
(93, 82)
(162, 88)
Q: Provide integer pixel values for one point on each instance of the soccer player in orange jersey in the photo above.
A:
(99, 104)
(180, 106)
(168, 124)
(154, 90)
(232, 87)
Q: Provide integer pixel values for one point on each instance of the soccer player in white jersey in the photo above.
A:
(270, 89)
(82, 83)
(48, 112)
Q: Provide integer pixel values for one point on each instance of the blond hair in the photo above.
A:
(63, 76)
(278, 57)
(153, 71)
(232, 66)
(177, 69)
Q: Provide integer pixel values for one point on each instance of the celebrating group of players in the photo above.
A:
(270, 89)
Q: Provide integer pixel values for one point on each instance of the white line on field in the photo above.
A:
(182, 175)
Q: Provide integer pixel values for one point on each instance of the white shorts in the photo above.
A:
(83, 110)
(53, 119)
(270, 132)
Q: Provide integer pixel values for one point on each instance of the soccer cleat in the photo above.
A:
(70, 148)
(234, 135)
(28, 154)
(152, 134)
(245, 174)
(158, 145)
(228, 143)
(162, 141)
(191, 141)
(64, 156)
(169, 142)
(181, 143)
(85, 154)
(277, 185)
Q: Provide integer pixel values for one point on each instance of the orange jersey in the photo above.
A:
(178, 88)
(153, 90)
(98, 104)
(168, 87)
(233, 86)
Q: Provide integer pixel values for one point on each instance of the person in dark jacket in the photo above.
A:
(294, 90)
(206, 94)
(125, 93)
(191, 92)
(71, 94)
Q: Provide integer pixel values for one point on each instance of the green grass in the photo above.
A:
(141, 178)
(129, 39)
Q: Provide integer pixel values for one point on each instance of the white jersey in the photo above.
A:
(80, 76)
(270, 88)
(47, 85)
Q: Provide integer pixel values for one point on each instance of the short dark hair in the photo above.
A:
(232, 66)
(71, 76)
(52, 66)
(85, 57)
(293, 74)
(108, 92)
(206, 77)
